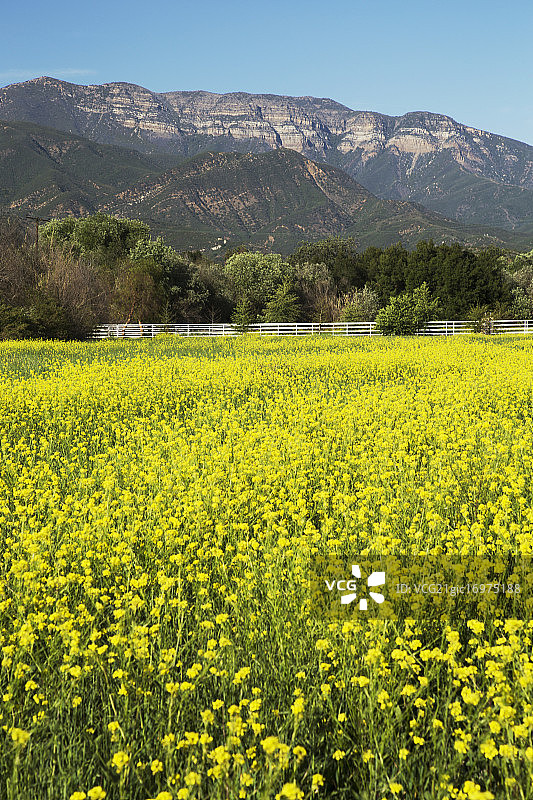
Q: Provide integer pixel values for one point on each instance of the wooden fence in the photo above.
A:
(437, 328)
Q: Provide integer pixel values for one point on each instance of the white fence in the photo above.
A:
(437, 328)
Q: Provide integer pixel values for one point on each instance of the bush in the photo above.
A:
(407, 313)
(480, 319)
(15, 323)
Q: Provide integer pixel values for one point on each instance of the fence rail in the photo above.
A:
(436, 328)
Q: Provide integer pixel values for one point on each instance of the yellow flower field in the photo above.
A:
(161, 505)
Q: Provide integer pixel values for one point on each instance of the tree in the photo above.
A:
(361, 305)
(339, 255)
(106, 238)
(316, 291)
(15, 323)
(391, 276)
(283, 306)
(51, 320)
(256, 276)
(522, 304)
(171, 273)
(243, 315)
(136, 295)
(75, 285)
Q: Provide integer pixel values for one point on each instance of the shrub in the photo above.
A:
(15, 323)
(480, 319)
(407, 313)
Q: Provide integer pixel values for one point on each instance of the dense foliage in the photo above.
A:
(98, 269)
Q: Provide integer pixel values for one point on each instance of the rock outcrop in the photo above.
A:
(425, 157)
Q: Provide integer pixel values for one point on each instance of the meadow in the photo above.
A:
(161, 503)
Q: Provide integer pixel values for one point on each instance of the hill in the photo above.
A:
(270, 200)
(470, 175)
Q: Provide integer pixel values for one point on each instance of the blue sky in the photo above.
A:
(465, 58)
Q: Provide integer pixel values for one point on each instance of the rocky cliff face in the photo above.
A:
(270, 200)
(420, 156)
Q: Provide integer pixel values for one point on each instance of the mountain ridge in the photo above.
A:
(465, 173)
(459, 173)
(270, 200)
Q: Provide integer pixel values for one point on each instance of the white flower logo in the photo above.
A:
(375, 579)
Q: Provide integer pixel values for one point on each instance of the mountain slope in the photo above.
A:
(467, 174)
(54, 173)
(276, 199)
(271, 200)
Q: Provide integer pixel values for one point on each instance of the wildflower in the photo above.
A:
(192, 779)
(300, 752)
(489, 749)
(19, 737)
(317, 781)
(270, 744)
(473, 792)
(298, 706)
(508, 751)
(120, 760)
(96, 793)
(291, 792)
(470, 696)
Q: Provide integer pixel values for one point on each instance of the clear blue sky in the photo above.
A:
(470, 59)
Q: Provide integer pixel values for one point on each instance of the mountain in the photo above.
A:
(472, 176)
(271, 200)
(52, 173)
(276, 199)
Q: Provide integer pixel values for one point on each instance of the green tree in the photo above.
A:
(522, 304)
(51, 320)
(255, 276)
(243, 315)
(171, 273)
(361, 305)
(392, 268)
(15, 323)
(283, 306)
(106, 238)
(340, 256)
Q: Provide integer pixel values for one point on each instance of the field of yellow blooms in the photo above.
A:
(160, 505)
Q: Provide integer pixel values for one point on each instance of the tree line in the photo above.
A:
(99, 269)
